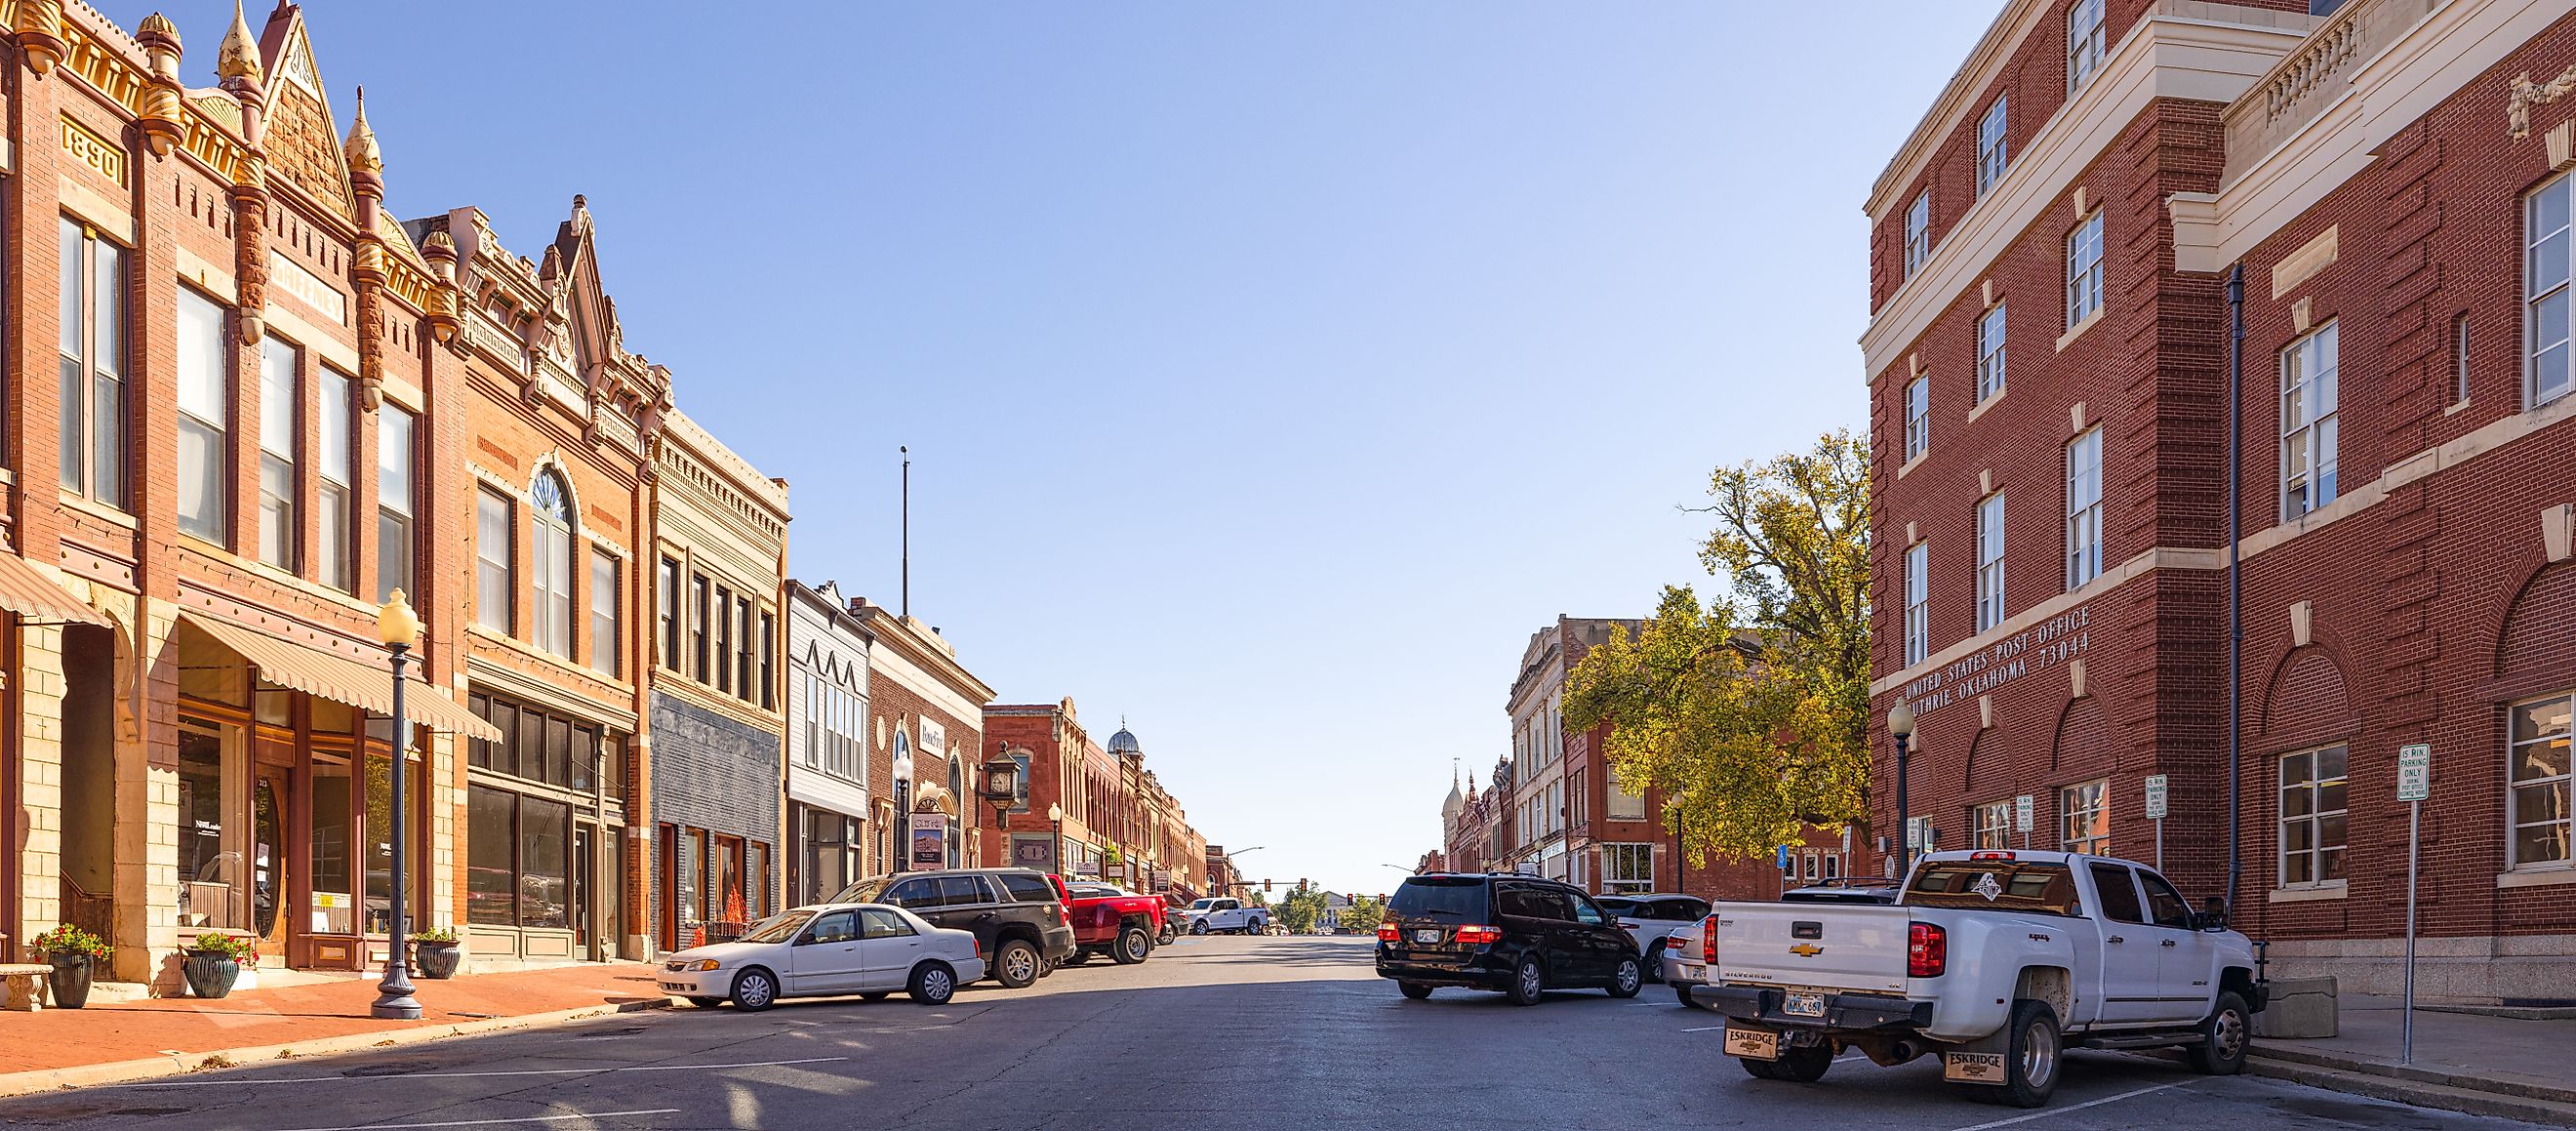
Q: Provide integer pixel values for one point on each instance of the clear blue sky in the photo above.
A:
(1271, 371)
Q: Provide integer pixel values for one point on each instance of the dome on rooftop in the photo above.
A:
(1124, 742)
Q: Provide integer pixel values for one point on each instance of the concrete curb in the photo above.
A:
(2498, 1095)
(180, 1064)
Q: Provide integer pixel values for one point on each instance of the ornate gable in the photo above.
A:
(303, 138)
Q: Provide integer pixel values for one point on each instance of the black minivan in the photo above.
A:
(1521, 935)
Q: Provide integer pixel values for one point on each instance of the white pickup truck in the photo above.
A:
(1219, 914)
(1995, 960)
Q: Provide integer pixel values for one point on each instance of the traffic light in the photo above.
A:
(1265, 885)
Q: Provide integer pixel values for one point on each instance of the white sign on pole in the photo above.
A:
(2414, 771)
(2021, 813)
(2155, 797)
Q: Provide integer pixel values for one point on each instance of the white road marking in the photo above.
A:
(496, 1122)
(1705, 1029)
(2071, 1107)
(512, 1072)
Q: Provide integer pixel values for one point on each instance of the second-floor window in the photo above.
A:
(93, 362)
(2084, 43)
(1990, 561)
(550, 563)
(493, 584)
(698, 627)
(1918, 233)
(1991, 155)
(2084, 271)
(724, 639)
(332, 530)
(2308, 424)
(666, 610)
(1990, 354)
(2550, 249)
(205, 398)
(605, 593)
(277, 436)
(1918, 610)
(1918, 417)
(394, 475)
(2084, 509)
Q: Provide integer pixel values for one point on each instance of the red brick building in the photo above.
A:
(1117, 822)
(2048, 358)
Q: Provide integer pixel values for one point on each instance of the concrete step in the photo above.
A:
(2507, 1083)
(102, 993)
(2478, 1098)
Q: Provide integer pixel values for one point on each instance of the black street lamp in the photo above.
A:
(1900, 725)
(1055, 818)
(399, 628)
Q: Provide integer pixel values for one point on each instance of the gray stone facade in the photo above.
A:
(717, 774)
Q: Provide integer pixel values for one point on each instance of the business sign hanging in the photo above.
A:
(929, 841)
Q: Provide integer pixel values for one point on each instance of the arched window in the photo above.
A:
(550, 561)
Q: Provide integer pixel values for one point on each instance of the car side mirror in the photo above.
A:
(2213, 915)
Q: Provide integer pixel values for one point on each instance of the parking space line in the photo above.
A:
(508, 1072)
(2071, 1107)
(497, 1122)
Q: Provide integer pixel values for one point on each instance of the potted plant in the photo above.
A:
(434, 952)
(73, 952)
(214, 963)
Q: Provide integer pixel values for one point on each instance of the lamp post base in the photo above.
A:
(393, 996)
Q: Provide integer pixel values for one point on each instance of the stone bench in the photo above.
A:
(26, 985)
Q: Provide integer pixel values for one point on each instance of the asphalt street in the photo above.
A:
(1213, 1032)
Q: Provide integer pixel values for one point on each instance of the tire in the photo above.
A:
(1683, 992)
(1167, 934)
(1133, 945)
(1199, 928)
(755, 989)
(1418, 991)
(1077, 958)
(705, 1002)
(2034, 1058)
(876, 995)
(1017, 965)
(2225, 1035)
(1627, 977)
(1804, 1064)
(1759, 1069)
(933, 983)
(1529, 981)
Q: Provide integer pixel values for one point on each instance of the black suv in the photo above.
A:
(1518, 934)
(1020, 922)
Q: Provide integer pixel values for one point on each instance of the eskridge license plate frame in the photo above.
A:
(1803, 1003)
(1752, 1044)
(1427, 935)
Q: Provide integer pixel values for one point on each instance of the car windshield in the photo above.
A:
(1619, 906)
(1203, 905)
(780, 927)
(871, 890)
(1448, 898)
(2042, 887)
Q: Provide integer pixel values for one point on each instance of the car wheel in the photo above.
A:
(1077, 958)
(1017, 965)
(2032, 1060)
(1167, 935)
(1529, 981)
(876, 995)
(1199, 928)
(1759, 1069)
(1415, 990)
(755, 989)
(933, 983)
(1133, 945)
(2224, 1038)
(706, 1002)
(1804, 1064)
(1627, 978)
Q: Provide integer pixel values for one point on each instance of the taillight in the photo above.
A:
(1927, 951)
(1475, 935)
(1708, 940)
(1991, 856)
(1387, 932)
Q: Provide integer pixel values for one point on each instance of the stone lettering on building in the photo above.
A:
(2042, 646)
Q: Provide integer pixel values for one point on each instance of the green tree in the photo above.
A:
(1751, 712)
(1364, 914)
(1300, 908)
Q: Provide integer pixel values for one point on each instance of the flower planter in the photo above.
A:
(69, 980)
(210, 974)
(436, 959)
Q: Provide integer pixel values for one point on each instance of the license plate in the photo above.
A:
(1695, 973)
(1429, 935)
(1973, 1067)
(1752, 1044)
(1803, 1004)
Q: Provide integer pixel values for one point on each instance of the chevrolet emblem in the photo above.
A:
(1806, 950)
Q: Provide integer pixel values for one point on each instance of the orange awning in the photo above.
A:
(342, 679)
(36, 597)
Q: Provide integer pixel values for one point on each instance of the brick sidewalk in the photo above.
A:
(159, 1027)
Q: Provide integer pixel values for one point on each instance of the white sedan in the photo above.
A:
(868, 949)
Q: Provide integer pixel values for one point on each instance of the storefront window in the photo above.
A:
(490, 873)
(612, 901)
(545, 889)
(333, 907)
(210, 871)
(689, 887)
(756, 894)
(729, 874)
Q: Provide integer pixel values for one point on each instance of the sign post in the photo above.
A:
(2414, 784)
(2156, 813)
(2022, 806)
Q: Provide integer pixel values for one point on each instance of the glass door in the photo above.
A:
(583, 860)
(268, 862)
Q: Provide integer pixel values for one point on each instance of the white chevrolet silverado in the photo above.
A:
(1994, 960)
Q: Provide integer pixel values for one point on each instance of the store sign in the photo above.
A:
(2038, 648)
(1162, 880)
(934, 738)
(1034, 852)
(929, 841)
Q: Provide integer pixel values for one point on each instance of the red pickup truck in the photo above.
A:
(1111, 920)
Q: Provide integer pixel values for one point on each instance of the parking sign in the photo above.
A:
(2414, 771)
(2021, 813)
(2155, 797)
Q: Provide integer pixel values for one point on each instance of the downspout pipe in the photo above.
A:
(2235, 582)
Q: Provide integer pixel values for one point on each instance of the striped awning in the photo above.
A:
(39, 598)
(341, 679)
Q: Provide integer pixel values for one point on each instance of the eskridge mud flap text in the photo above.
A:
(1971, 1067)
(1752, 1044)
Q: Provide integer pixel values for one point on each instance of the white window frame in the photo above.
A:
(1918, 603)
(2084, 508)
(2307, 792)
(1617, 803)
(1990, 561)
(1620, 871)
(2085, 41)
(1918, 232)
(2460, 360)
(493, 558)
(2310, 396)
(2519, 738)
(551, 543)
(1991, 825)
(2549, 261)
(1991, 327)
(2087, 799)
(204, 356)
(2084, 270)
(1993, 151)
(1918, 417)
